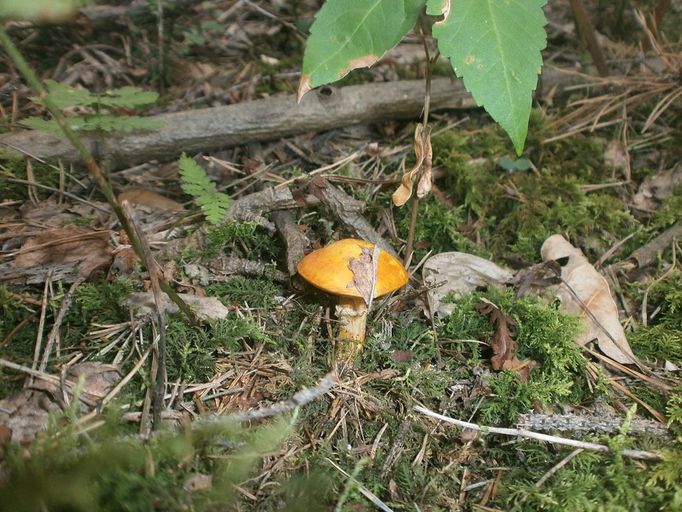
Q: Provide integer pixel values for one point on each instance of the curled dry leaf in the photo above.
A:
(457, 274)
(585, 292)
(422, 168)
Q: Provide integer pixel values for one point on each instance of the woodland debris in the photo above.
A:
(503, 343)
(349, 211)
(88, 248)
(205, 308)
(657, 187)
(254, 206)
(26, 413)
(648, 254)
(585, 292)
(225, 266)
(205, 130)
(584, 424)
(64, 272)
(457, 274)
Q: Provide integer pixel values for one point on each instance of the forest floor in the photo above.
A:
(257, 411)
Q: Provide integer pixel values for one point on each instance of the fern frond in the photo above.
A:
(196, 183)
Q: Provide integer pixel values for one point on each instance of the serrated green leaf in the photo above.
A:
(111, 123)
(197, 184)
(64, 96)
(495, 45)
(348, 34)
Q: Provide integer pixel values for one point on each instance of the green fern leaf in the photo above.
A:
(196, 183)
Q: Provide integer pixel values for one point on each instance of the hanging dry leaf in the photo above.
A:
(364, 269)
(586, 293)
(503, 342)
(457, 274)
(422, 168)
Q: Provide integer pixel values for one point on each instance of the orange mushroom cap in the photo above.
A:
(328, 269)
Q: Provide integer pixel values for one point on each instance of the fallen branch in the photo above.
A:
(348, 210)
(261, 120)
(634, 454)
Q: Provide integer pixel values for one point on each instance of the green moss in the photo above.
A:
(100, 301)
(15, 168)
(514, 212)
(241, 239)
(543, 334)
(256, 292)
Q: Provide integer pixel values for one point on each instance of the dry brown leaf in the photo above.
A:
(364, 269)
(458, 274)
(68, 244)
(25, 414)
(144, 197)
(422, 168)
(198, 482)
(503, 342)
(585, 292)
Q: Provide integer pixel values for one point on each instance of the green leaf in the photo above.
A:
(64, 96)
(196, 183)
(495, 45)
(53, 11)
(125, 97)
(348, 34)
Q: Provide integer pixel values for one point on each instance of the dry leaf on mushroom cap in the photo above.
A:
(586, 293)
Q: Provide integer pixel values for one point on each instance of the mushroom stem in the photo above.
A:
(352, 315)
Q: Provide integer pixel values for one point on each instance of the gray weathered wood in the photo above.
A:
(210, 129)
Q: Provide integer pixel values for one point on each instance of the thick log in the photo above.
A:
(209, 129)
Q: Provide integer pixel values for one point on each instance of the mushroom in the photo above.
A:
(347, 269)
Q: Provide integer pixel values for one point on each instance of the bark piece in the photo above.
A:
(349, 211)
(205, 308)
(297, 244)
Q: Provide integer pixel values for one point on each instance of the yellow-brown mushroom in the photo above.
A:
(346, 269)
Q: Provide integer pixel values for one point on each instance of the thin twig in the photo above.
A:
(159, 377)
(634, 454)
(54, 332)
